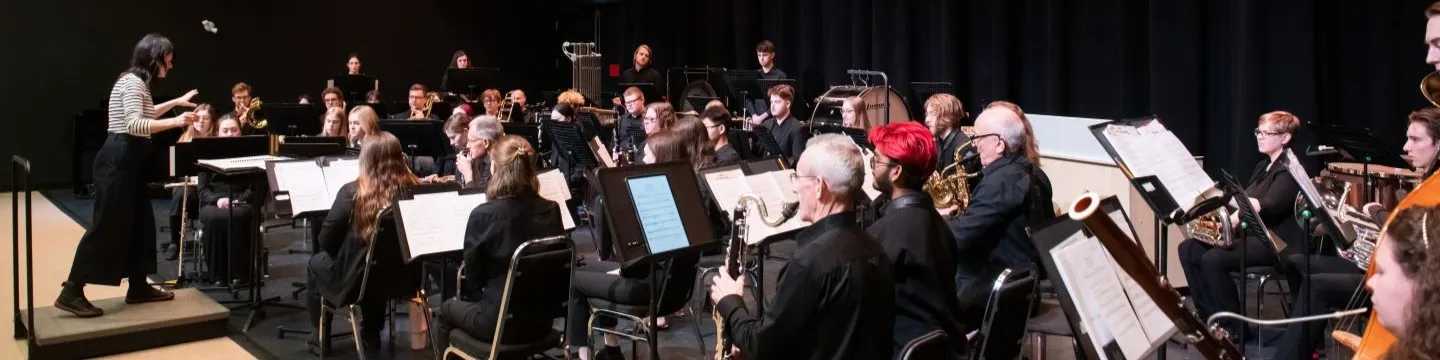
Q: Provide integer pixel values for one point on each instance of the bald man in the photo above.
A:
(991, 234)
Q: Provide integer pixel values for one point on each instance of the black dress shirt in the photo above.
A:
(648, 75)
(480, 170)
(790, 134)
(1276, 191)
(623, 134)
(249, 188)
(727, 155)
(339, 263)
(992, 231)
(922, 258)
(834, 300)
(946, 148)
(762, 105)
(495, 230)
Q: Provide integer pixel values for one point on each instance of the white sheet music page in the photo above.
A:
(464, 204)
(775, 192)
(1087, 266)
(601, 153)
(340, 172)
(299, 179)
(245, 162)
(1187, 173)
(1089, 324)
(1125, 139)
(727, 187)
(431, 225)
(554, 188)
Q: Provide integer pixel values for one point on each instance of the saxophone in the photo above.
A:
(951, 190)
(735, 255)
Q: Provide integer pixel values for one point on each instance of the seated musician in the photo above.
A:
(335, 123)
(203, 127)
(835, 297)
(764, 54)
(991, 233)
(229, 208)
(943, 113)
(417, 99)
(1333, 279)
(333, 98)
(1406, 283)
(336, 268)
(642, 72)
(491, 100)
(853, 114)
(372, 96)
(917, 242)
(522, 114)
(1271, 192)
(717, 128)
(363, 123)
(514, 214)
(789, 133)
(658, 116)
(632, 118)
(473, 165)
(455, 128)
(240, 95)
(631, 285)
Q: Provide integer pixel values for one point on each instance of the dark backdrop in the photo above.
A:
(1208, 68)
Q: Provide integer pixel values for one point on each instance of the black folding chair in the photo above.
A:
(932, 345)
(1006, 313)
(528, 291)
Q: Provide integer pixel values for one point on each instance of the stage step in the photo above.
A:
(192, 316)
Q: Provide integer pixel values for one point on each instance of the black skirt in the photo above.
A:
(121, 239)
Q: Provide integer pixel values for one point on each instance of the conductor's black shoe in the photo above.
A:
(145, 293)
(78, 305)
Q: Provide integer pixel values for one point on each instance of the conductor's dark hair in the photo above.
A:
(149, 56)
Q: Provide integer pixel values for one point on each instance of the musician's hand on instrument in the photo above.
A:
(722, 285)
(185, 100)
(947, 212)
(616, 100)
(224, 203)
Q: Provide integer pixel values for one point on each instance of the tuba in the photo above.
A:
(951, 190)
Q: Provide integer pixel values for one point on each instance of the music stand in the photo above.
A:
(1361, 145)
(699, 102)
(184, 155)
(767, 84)
(856, 135)
(529, 131)
(293, 119)
(354, 87)
(571, 144)
(924, 90)
(743, 83)
(651, 91)
(468, 81)
(420, 137)
(768, 145)
(312, 146)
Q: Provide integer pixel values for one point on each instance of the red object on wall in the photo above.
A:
(614, 70)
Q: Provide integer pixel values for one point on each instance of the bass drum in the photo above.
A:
(698, 90)
(827, 106)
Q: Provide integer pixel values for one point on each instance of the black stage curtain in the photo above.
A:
(1208, 68)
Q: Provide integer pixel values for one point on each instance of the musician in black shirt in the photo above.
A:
(789, 133)
(514, 214)
(759, 109)
(642, 72)
(917, 242)
(1272, 194)
(416, 98)
(228, 210)
(943, 113)
(240, 96)
(835, 297)
(625, 138)
(717, 128)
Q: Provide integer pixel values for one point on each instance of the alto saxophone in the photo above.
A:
(735, 263)
(954, 189)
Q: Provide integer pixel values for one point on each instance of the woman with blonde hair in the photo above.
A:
(336, 268)
(363, 122)
(204, 126)
(334, 123)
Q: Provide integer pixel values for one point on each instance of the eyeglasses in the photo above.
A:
(651, 120)
(982, 136)
(876, 160)
(631, 101)
(1263, 133)
(795, 177)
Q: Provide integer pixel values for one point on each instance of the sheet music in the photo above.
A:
(1153, 150)
(727, 187)
(659, 217)
(340, 172)
(1090, 276)
(431, 223)
(554, 188)
(601, 152)
(239, 163)
(775, 192)
(298, 179)
(464, 205)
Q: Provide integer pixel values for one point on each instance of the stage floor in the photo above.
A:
(55, 238)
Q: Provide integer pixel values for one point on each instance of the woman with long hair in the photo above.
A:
(120, 242)
(853, 114)
(1405, 284)
(514, 214)
(204, 125)
(336, 268)
(334, 123)
(687, 140)
(363, 122)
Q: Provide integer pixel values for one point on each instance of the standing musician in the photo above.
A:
(336, 268)
(642, 72)
(417, 98)
(240, 95)
(363, 123)
(992, 233)
(789, 133)
(1405, 285)
(920, 247)
(491, 100)
(1272, 194)
(333, 98)
(202, 127)
(835, 297)
(765, 54)
(121, 241)
(717, 128)
(514, 214)
(1333, 280)
(459, 60)
(334, 123)
(229, 206)
(943, 113)
(352, 64)
(853, 114)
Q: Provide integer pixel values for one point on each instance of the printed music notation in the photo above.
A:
(306, 194)
(240, 163)
(435, 223)
(659, 216)
(1094, 282)
(1152, 149)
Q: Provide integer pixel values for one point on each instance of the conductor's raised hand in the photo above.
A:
(185, 100)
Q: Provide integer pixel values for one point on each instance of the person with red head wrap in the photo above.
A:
(920, 247)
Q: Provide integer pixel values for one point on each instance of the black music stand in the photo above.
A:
(354, 87)
(1361, 145)
(856, 135)
(1048, 236)
(529, 131)
(924, 90)
(766, 84)
(468, 81)
(742, 87)
(293, 119)
(571, 143)
(768, 145)
(312, 146)
(420, 137)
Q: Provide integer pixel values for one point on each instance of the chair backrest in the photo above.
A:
(1006, 314)
(385, 267)
(932, 345)
(531, 290)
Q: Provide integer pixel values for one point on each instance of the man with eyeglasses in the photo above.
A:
(629, 128)
(991, 234)
(917, 242)
(416, 100)
(835, 296)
